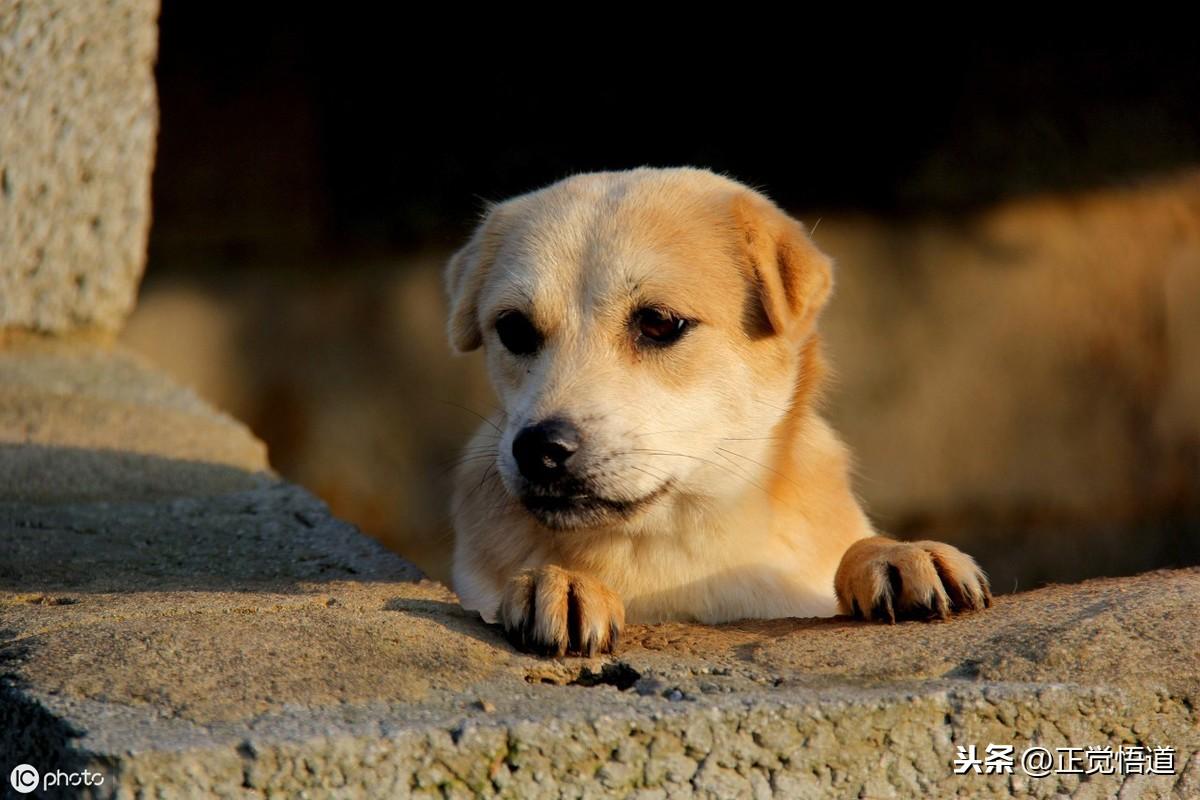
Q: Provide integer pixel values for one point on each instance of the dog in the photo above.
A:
(659, 453)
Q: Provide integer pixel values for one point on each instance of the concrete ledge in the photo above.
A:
(222, 634)
(345, 676)
(252, 645)
(82, 421)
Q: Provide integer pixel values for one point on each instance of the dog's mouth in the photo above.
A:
(563, 508)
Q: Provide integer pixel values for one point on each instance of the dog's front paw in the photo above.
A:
(888, 580)
(551, 611)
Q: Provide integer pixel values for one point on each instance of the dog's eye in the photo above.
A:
(658, 327)
(517, 333)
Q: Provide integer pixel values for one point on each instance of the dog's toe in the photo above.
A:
(553, 612)
(881, 579)
(965, 583)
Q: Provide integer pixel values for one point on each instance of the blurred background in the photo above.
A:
(1016, 324)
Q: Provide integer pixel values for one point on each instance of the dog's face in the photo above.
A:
(642, 332)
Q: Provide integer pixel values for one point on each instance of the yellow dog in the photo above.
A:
(651, 336)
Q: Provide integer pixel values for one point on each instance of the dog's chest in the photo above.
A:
(712, 578)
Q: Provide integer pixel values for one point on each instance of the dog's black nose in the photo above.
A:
(543, 450)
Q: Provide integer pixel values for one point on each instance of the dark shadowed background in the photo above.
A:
(1016, 328)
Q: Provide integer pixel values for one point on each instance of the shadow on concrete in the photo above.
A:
(686, 637)
(453, 617)
(80, 520)
(53, 475)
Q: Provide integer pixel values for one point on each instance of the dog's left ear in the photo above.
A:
(792, 276)
(465, 275)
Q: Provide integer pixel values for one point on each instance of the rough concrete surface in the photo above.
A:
(77, 106)
(223, 635)
(82, 421)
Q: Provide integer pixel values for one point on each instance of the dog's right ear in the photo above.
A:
(465, 275)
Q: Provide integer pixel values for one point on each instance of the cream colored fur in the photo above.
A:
(752, 511)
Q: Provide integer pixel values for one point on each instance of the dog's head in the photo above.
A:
(643, 331)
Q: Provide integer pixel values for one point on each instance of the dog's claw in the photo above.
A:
(884, 609)
(550, 611)
(917, 580)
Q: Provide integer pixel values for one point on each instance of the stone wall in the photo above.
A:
(77, 126)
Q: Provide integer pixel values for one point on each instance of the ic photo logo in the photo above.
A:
(24, 778)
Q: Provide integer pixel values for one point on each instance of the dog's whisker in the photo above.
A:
(447, 470)
(470, 459)
(760, 464)
(466, 454)
(730, 468)
(476, 413)
(784, 409)
(483, 479)
(484, 451)
(658, 475)
(488, 436)
(500, 499)
(490, 445)
(757, 485)
(664, 433)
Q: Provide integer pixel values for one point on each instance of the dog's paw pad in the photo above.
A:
(553, 612)
(885, 580)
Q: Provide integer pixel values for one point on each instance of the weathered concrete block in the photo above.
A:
(224, 635)
(82, 422)
(77, 125)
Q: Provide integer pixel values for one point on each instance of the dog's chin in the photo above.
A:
(584, 509)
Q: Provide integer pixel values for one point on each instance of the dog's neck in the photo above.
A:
(793, 433)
